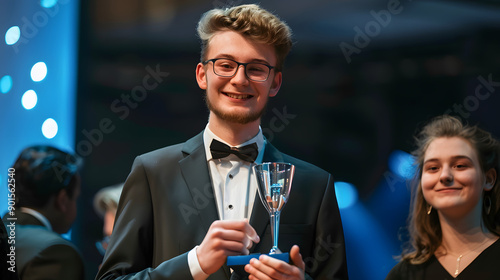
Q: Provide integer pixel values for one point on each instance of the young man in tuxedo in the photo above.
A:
(185, 208)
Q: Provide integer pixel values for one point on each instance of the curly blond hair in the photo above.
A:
(252, 22)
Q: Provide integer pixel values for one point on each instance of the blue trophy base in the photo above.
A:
(245, 259)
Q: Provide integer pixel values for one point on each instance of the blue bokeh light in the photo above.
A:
(401, 164)
(49, 35)
(39, 71)
(370, 251)
(48, 3)
(347, 195)
(5, 84)
(12, 35)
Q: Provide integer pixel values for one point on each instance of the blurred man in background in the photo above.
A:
(47, 186)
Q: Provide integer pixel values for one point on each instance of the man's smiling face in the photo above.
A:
(237, 99)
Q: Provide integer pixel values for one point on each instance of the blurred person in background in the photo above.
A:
(47, 188)
(105, 205)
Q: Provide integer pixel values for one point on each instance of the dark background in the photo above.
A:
(346, 117)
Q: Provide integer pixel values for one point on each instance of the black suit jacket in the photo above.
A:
(167, 206)
(44, 254)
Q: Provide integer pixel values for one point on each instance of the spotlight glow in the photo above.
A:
(49, 128)
(48, 3)
(346, 193)
(5, 84)
(12, 35)
(29, 99)
(38, 71)
(401, 164)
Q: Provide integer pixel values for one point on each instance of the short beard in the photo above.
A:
(234, 117)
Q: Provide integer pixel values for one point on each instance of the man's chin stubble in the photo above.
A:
(233, 117)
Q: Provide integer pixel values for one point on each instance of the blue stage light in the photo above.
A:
(370, 251)
(29, 99)
(12, 35)
(5, 84)
(49, 128)
(48, 3)
(401, 164)
(38, 71)
(43, 31)
(346, 193)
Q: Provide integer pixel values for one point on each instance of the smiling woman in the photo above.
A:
(454, 225)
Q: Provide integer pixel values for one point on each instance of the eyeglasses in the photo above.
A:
(254, 71)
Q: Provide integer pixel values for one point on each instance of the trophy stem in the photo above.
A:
(275, 225)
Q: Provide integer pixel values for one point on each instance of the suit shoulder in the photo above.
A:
(173, 153)
(165, 151)
(38, 244)
(304, 165)
(162, 155)
(35, 233)
(41, 237)
(64, 249)
(60, 259)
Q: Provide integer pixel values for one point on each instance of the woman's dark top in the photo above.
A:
(486, 266)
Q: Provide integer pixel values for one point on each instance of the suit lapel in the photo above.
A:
(260, 216)
(194, 169)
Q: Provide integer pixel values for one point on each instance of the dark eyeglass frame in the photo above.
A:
(213, 60)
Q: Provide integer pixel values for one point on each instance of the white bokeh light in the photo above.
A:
(49, 128)
(29, 99)
(38, 71)
(12, 35)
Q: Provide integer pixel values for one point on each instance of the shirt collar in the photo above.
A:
(208, 136)
(38, 216)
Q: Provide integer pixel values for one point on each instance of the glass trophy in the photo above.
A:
(274, 184)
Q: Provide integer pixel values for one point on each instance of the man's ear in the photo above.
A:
(62, 200)
(491, 178)
(276, 84)
(201, 76)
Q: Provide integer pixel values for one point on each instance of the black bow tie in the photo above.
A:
(247, 153)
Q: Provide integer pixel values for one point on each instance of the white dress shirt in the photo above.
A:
(234, 185)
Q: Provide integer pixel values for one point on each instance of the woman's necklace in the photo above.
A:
(459, 258)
